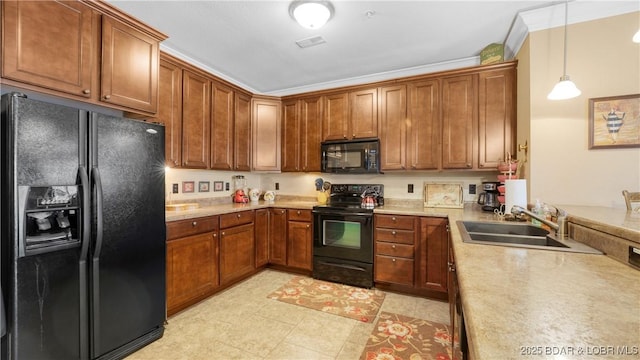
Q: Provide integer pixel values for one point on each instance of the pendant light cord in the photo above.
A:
(566, 20)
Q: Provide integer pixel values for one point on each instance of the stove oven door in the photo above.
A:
(343, 235)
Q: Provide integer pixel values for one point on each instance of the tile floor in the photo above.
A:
(242, 323)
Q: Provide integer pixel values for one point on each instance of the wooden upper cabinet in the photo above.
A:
(195, 120)
(336, 116)
(290, 135)
(310, 133)
(49, 44)
(170, 111)
(265, 134)
(129, 66)
(242, 133)
(87, 51)
(301, 134)
(363, 122)
(222, 129)
(496, 116)
(424, 143)
(459, 121)
(393, 127)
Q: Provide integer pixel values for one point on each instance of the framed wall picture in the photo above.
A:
(443, 195)
(614, 122)
(218, 185)
(188, 186)
(203, 186)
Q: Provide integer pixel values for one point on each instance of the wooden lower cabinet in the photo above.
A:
(299, 239)
(192, 262)
(278, 236)
(394, 238)
(433, 254)
(412, 251)
(237, 252)
(261, 223)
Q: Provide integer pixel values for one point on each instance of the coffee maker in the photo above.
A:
(489, 198)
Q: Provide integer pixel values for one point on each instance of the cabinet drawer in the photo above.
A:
(395, 222)
(391, 249)
(182, 228)
(299, 215)
(394, 270)
(395, 236)
(235, 219)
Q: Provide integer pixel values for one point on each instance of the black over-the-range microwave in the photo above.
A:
(360, 156)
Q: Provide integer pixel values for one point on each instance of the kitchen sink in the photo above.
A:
(522, 235)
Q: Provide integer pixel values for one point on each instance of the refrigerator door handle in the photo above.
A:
(86, 214)
(84, 250)
(97, 186)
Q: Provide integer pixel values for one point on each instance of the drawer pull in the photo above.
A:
(298, 212)
(222, 234)
(238, 216)
(393, 246)
(393, 232)
(308, 226)
(194, 223)
(394, 260)
(393, 218)
(215, 235)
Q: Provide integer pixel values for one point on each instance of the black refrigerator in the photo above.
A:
(82, 243)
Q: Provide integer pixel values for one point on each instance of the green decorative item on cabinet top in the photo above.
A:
(491, 54)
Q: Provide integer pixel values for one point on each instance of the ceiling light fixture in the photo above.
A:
(565, 89)
(311, 14)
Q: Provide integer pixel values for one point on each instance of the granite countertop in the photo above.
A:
(529, 303)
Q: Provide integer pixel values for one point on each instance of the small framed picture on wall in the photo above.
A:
(203, 186)
(188, 186)
(218, 186)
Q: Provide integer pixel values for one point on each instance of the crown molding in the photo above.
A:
(552, 16)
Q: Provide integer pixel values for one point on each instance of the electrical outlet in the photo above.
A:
(410, 188)
(174, 188)
(472, 189)
(277, 186)
(226, 186)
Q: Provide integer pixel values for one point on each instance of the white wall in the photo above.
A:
(602, 61)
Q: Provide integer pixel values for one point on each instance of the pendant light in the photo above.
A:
(565, 89)
(311, 14)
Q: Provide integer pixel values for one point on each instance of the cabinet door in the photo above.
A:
(335, 116)
(496, 115)
(195, 120)
(433, 254)
(237, 253)
(122, 84)
(290, 136)
(299, 245)
(242, 131)
(310, 134)
(262, 237)
(278, 237)
(265, 128)
(192, 269)
(458, 121)
(393, 127)
(364, 114)
(222, 134)
(170, 111)
(49, 44)
(424, 139)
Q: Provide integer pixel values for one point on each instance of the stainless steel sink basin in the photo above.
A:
(522, 235)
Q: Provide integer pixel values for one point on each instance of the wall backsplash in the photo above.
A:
(302, 184)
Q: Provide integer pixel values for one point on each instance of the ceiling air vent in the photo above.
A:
(312, 41)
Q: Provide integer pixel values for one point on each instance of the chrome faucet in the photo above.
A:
(560, 227)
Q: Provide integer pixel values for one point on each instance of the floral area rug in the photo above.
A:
(397, 337)
(344, 300)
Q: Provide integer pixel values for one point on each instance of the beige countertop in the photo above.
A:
(529, 303)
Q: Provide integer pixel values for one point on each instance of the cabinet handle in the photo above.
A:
(238, 216)
(194, 223)
(393, 246)
(468, 165)
(353, 136)
(393, 233)
(298, 212)
(308, 226)
(344, 136)
(86, 91)
(394, 259)
(107, 97)
(175, 163)
(281, 211)
(215, 235)
(393, 218)
(222, 233)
